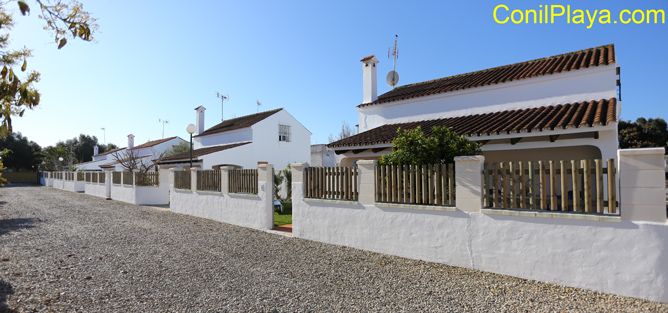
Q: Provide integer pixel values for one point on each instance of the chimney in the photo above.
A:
(370, 81)
(131, 141)
(200, 119)
(95, 150)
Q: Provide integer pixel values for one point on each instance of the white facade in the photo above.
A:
(574, 86)
(263, 144)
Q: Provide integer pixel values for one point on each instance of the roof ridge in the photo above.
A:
(514, 64)
(408, 91)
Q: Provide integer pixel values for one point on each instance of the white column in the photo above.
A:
(265, 191)
(468, 181)
(642, 184)
(366, 182)
(297, 195)
(224, 179)
(193, 179)
(107, 182)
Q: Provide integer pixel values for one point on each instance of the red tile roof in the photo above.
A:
(201, 151)
(368, 58)
(586, 58)
(122, 160)
(108, 152)
(238, 123)
(152, 143)
(581, 114)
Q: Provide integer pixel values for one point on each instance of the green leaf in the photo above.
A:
(4, 72)
(11, 74)
(25, 65)
(23, 7)
(62, 43)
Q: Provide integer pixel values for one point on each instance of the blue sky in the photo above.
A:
(161, 59)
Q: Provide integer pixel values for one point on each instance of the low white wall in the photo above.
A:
(123, 193)
(241, 210)
(253, 211)
(75, 186)
(622, 257)
(152, 194)
(59, 183)
(96, 189)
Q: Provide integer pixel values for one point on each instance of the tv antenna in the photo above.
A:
(258, 106)
(163, 126)
(393, 76)
(222, 97)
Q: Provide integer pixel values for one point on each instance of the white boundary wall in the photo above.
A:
(96, 189)
(612, 254)
(253, 211)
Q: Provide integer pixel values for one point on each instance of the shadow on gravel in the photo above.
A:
(5, 290)
(14, 224)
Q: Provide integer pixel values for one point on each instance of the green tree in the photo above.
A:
(64, 20)
(182, 147)
(23, 154)
(643, 133)
(441, 145)
(51, 159)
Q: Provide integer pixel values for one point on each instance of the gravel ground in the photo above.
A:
(62, 251)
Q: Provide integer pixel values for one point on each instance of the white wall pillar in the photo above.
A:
(297, 195)
(469, 184)
(265, 189)
(366, 182)
(193, 179)
(107, 182)
(642, 184)
(224, 179)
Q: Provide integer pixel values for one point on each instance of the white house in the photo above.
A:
(560, 107)
(146, 152)
(272, 136)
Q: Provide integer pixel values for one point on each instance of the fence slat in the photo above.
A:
(504, 185)
(522, 183)
(612, 188)
(512, 186)
(495, 184)
(553, 186)
(564, 185)
(543, 187)
(599, 185)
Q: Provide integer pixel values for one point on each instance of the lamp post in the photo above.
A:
(61, 160)
(191, 130)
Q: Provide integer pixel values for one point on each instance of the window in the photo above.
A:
(284, 133)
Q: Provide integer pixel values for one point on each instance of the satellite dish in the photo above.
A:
(392, 78)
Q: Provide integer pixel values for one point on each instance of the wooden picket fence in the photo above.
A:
(566, 185)
(146, 179)
(209, 180)
(331, 183)
(101, 178)
(127, 178)
(89, 177)
(182, 180)
(430, 184)
(116, 178)
(243, 181)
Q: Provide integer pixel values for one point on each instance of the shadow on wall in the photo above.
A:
(13, 224)
(5, 290)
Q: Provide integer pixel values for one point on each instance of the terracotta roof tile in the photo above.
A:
(368, 58)
(108, 152)
(202, 151)
(581, 114)
(153, 143)
(238, 123)
(597, 56)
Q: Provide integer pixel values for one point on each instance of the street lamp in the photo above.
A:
(61, 160)
(191, 130)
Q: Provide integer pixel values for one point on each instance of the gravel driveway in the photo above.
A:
(63, 251)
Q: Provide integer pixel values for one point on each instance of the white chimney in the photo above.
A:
(131, 141)
(95, 150)
(370, 83)
(200, 119)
